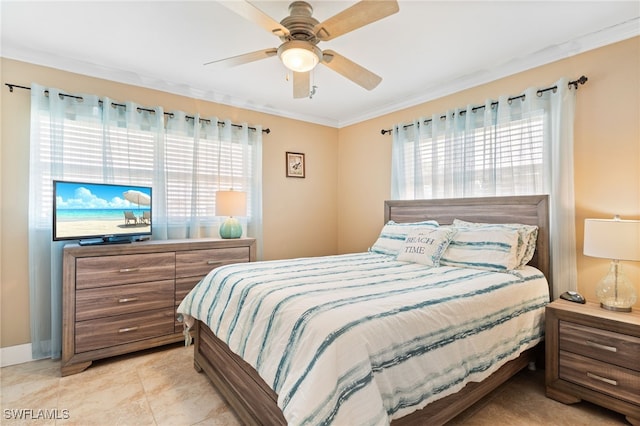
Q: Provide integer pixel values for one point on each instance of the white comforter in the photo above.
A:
(362, 338)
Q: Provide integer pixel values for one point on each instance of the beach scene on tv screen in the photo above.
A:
(86, 210)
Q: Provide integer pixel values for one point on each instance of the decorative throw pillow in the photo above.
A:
(527, 237)
(393, 235)
(425, 246)
(483, 248)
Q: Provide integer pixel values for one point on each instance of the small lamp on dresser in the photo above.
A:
(231, 203)
(614, 239)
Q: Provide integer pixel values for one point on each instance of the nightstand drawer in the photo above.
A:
(604, 345)
(615, 381)
(200, 262)
(111, 331)
(123, 299)
(103, 271)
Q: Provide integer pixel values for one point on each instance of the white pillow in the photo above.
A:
(483, 248)
(393, 235)
(527, 237)
(425, 246)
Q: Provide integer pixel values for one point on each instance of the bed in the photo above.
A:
(255, 402)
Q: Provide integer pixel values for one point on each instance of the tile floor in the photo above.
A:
(160, 387)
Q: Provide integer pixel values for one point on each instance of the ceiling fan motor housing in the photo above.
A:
(298, 51)
(300, 23)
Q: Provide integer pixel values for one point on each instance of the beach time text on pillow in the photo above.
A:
(425, 246)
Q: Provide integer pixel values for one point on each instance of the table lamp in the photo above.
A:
(614, 239)
(231, 203)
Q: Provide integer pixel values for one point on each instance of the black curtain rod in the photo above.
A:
(574, 83)
(170, 114)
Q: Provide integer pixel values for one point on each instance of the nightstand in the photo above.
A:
(593, 354)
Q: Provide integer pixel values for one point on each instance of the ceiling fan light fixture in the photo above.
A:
(299, 56)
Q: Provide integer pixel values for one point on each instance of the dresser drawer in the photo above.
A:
(102, 271)
(604, 345)
(200, 262)
(615, 381)
(184, 286)
(123, 299)
(110, 331)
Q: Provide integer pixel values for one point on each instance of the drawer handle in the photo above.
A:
(600, 346)
(126, 330)
(213, 262)
(127, 300)
(602, 379)
(129, 270)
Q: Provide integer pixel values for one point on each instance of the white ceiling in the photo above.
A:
(427, 50)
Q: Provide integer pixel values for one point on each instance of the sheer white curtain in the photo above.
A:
(215, 155)
(517, 146)
(193, 150)
(48, 122)
(133, 152)
(83, 138)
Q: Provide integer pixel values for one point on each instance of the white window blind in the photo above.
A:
(194, 169)
(485, 160)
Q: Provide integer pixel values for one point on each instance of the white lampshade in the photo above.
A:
(231, 203)
(617, 240)
(299, 56)
(612, 239)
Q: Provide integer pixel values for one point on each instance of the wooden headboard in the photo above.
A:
(525, 209)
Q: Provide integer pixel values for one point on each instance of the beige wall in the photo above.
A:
(338, 208)
(299, 214)
(607, 150)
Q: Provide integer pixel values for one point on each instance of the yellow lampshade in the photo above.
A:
(231, 203)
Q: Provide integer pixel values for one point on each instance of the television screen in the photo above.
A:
(109, 212)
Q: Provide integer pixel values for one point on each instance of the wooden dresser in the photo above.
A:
(593, 354)
(120, 298)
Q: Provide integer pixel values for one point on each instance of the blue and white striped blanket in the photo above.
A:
(363, 338)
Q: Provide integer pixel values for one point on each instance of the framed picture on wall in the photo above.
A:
(295, 164)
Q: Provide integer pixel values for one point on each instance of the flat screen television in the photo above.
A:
(98, 213)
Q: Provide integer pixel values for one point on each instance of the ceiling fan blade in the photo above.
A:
(354, 17)
(350, 70)
(301, 82)
(245, 58)
(253, 14)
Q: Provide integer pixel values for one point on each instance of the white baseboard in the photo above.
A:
(13, 355)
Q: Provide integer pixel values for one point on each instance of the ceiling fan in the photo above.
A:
(300, 33)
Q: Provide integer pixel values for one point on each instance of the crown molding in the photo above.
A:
(616, 33)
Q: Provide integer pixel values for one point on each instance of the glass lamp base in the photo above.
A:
(614, 291)
(611, 306)
(231, 228)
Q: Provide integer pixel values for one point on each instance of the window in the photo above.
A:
(471, 157)
(186, 163)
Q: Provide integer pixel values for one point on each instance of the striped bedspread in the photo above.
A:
(363, 338)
